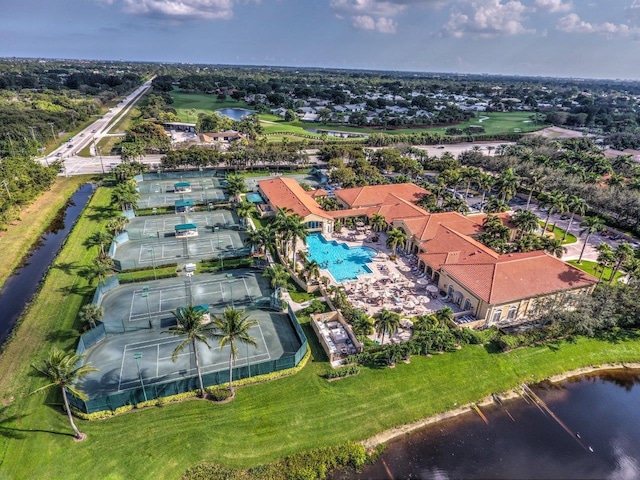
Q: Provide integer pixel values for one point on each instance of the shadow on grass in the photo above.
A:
(617, 335)
(62, 335)
(100, 213)
(66, 267)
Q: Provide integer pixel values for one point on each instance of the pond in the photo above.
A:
(235, 113)
(522, 440)
(19, 289)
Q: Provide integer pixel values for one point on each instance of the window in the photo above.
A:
(467, 305)
(511, 314)
(450, 291)
(496, 315)
(312, 225)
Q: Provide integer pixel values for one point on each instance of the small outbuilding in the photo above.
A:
(183, 206)
(183, 230)
(182, 187)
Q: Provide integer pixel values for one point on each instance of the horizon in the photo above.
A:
(531, 38)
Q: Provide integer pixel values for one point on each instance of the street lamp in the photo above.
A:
(230, 278)
(153, 261)
(145, 295)
(137, 357)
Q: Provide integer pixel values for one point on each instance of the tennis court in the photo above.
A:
(202, 197)
(127, 306)
(161, 225)
(162, 247)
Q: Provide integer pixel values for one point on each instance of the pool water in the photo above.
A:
(342, 261)
(254, 198)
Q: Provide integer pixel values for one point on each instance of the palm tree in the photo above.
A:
(246, 210)
(312, 270)
(190, 324)
(469, 175)
(533, 180)
(99, 239)
(577, 206)
(378, 222)
(553, 246)
(622, 253)
(126, 195)
(235, 186)
(385, 322)
(485, 182)
(101, 267)
(606, 258)
(395, 238)
(297, 230)
(507, 184)
(632, 268)
(90, 313)
(526, 221)
(255, 240)
(496, 205)
(444, 316)
(233, 327)
(117, 224)
(590, 225)
(361, 324)
(555, 201)
(63, 370)
(277, 275)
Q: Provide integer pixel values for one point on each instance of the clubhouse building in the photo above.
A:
(496, 289)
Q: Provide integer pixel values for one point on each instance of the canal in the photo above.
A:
(20, 287)
(600, 411)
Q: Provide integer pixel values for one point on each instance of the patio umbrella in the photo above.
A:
(423, 281)
(432, 288)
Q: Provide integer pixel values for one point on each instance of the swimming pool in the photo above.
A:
(254, 198)
(342, 261)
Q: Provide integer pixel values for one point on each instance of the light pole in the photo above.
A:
(145, 295)
(97, 149)
(230, 278)
(137, 357)
(153, 261)
(6, 187)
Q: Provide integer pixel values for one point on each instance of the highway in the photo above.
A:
(94, 132)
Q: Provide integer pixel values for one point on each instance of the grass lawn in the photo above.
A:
(559, 233)
(264, 422)
(146, 275)
(21, 234)
(593, 269)
(202, 103)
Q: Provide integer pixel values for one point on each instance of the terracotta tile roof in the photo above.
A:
(318, 192)
(426, 227)
(450, 247)
(285, 192)
(505, 217)
(369, 196)
(517, 276)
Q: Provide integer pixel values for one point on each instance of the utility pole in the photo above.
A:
(33, 135)
(97, 150)
(53, 134)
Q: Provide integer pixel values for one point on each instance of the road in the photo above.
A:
(94, 132)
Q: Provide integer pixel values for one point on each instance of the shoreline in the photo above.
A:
(405, 429)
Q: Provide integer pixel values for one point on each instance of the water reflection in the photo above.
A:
(599, 409)
(20, 287)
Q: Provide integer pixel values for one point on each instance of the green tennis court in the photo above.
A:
(134, 308)
(162, 225)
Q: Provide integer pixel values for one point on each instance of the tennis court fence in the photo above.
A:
(136, 395)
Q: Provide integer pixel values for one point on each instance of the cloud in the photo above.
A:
(572, 23)
(177, 9)
(487, 19)
(553, 6)
(374, 15)
(382, 24)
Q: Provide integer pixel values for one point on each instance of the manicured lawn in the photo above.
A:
(21, 234)
(559, 233)
(146, 275)
(263, 422)
(593, 269)
(202, 103)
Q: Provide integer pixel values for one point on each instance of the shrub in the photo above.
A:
(342, 372)
(218, 394)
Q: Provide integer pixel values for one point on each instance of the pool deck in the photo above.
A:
(392, 285)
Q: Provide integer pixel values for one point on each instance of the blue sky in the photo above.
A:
(583, 38)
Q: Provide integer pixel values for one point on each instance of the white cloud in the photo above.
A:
(572, 23)
(382, 24)
(373, 15)
(178, 9)
(487, 18)
(553, 6)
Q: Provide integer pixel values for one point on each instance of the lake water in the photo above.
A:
(235, 113)
(21, 286)
(602, 409)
